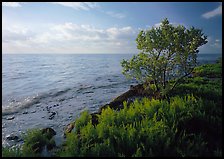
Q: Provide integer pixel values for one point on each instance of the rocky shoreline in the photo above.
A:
(137, 91)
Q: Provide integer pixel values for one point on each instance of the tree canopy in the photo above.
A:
(167, 53)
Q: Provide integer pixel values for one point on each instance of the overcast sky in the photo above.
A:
(102, 27)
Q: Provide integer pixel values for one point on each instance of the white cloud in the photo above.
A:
(215, 43)
(116, 15)
(213, 13)
(78, 5)
(217, 40)
(11, 4)
(70, 38)
(157, 25)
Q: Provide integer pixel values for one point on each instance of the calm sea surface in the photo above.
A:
(74, 82)
(27, 77)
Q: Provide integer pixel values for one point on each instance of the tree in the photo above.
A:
(168, 53)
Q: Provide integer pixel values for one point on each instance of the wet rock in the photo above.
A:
(10, 118)
(55, 105)
(52, 115)
(48, 108)
(26, 112)
(38, 105)
(134, 91)
(12, 137)
(49, 132)
(88, 92)
(34, 111)
(61, 100)
(69, 128)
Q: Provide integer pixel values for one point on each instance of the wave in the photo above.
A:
(16, 106)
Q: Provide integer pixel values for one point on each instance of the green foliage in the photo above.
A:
(11, 152)
(83, 120)
(150, 127)
(209, 70)
(34, 142)
(167, 53)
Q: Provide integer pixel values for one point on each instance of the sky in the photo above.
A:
(100, 27)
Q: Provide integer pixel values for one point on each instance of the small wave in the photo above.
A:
(16, 106)
(60, 92)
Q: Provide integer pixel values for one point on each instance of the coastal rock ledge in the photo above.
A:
(134, 92)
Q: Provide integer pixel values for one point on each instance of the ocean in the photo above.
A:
(35, 85)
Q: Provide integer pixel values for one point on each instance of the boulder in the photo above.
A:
(12, 137)
(10, 118)
(49, 132)
(69, 128)
(52, 115)
(26, 112)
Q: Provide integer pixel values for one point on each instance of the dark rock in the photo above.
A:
(94, 119)
(134, 91)
(48, 109)
(52, 115)
(26, 112)
(10, 118)
(34, 111)
(50, 146)
(12, 137)
(49, 132)
(88, 92)
(55, 105)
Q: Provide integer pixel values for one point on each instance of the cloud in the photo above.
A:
(11, 4)
(116, 15)
(213, 13)
(216, 43)
(70, 38)
(157, 25)
(212, 46)
(78, 5)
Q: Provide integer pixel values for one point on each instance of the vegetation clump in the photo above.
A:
(167, 53)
